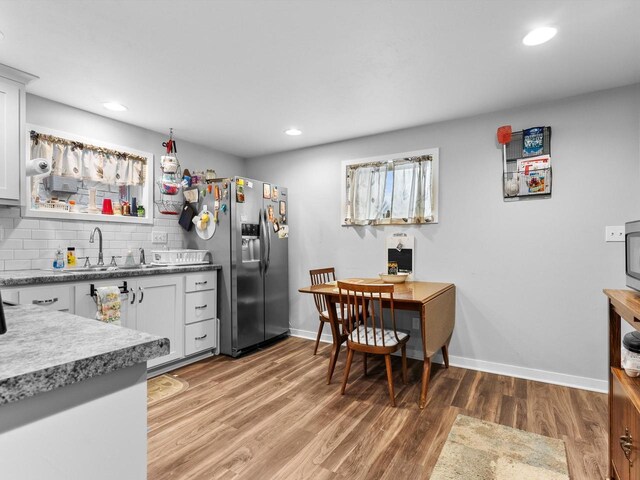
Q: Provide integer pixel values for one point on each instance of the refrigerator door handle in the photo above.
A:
(262, 241)
(268, 235)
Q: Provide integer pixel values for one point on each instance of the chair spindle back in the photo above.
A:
(318, 277)
(358, 302)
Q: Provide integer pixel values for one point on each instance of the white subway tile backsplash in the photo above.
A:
(43, 234)
(17, 264)
(48, 253)
(11, 243)
(6, 222)
(26, 254)
(72, 226)
(50, 225)
(31, 243)
(35, 244)
(42, 264)
(26, 223)
(66, 235)
(15, 233)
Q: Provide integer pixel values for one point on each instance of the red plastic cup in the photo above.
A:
(107, 207)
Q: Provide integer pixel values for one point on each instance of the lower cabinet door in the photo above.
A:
(622, 426)
(85, 304)
(54, 297)
(159, 305)
(200, 336)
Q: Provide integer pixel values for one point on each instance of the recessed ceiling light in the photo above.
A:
(539, 36)
(293, 132)
(115, 107)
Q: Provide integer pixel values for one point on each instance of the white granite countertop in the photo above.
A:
(44, 349)
(35, 277)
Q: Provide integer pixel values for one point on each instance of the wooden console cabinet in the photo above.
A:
(624, 391)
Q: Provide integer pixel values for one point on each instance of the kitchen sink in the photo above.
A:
(103, 268)
(139, 267)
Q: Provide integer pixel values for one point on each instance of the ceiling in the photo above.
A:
(233, 75)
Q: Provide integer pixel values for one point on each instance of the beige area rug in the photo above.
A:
(477, 450)
(163, 387)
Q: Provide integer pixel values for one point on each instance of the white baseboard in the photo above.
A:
(544, 376)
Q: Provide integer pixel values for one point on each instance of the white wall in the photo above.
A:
(31, 243)
(529, 274)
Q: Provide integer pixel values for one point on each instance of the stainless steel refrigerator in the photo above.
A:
(253, 285)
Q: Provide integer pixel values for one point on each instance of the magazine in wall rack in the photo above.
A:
(535, 175)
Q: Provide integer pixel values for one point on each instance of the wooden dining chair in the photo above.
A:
(318, 277)
(367, 332)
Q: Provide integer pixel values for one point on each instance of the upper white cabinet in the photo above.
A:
(12, 129)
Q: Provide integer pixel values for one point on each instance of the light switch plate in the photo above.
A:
(416, 323)
(614, 234)
(159, 237)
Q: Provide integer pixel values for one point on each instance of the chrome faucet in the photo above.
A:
(100, 255)
(142, 260)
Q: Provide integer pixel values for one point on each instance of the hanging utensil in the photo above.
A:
(170, 144)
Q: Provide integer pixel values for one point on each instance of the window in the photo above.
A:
(84, 174)
(397, 189)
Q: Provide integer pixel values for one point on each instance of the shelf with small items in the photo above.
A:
(526, 158)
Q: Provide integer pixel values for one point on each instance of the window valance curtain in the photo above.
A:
(391, 192)
(88, 162)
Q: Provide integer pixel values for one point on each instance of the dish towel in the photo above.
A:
(108, 300)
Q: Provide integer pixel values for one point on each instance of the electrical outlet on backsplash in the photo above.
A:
(32, 244)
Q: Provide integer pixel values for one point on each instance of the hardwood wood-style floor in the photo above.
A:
(271, 415)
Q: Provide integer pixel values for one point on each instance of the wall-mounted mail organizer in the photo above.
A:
(527, 164)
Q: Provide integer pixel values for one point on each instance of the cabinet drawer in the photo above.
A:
(201, 281)
(200, 306)
(200, 336)
(55, 297)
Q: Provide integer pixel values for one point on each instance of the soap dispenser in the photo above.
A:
(128, 261)
(58, 260)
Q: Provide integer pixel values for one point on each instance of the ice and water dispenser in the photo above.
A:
(250, 242)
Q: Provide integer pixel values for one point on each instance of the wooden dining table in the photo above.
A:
(436, 303)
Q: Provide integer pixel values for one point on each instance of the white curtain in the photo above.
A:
(88, 164)
(412, 196)
(399, 191)
(367, 194)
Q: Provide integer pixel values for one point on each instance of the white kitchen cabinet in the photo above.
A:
(85, 304)
(200, 336)
(159, 310)
(154, 305)
(12, 132)
(53, 297)
(201, 329)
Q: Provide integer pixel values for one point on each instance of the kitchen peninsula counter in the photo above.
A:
(38, 277)
(73, 396)
(44, 350)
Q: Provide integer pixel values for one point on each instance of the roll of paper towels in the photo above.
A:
(38, 166)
